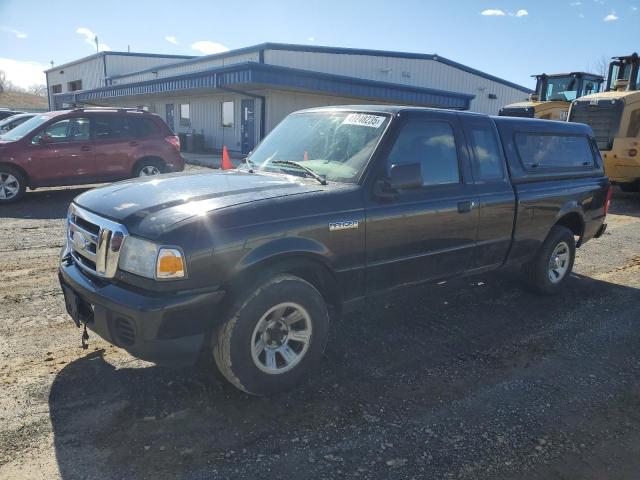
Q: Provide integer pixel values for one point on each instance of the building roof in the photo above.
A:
(340, 51)
(124, 54)
(253, 75)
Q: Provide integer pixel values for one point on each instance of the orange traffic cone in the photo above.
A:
(226, 162)
(306, 156)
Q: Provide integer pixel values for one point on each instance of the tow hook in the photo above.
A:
(85, 337)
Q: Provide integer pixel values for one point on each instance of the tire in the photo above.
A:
(13, 185)
(148, 167)
(256, 352)
(560, 248)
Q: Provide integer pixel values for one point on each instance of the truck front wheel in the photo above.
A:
(273, 336)
(548, 271)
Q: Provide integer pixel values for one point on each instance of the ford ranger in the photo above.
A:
(334, 205)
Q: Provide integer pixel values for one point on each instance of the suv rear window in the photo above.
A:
(553, 152)
(144, 127)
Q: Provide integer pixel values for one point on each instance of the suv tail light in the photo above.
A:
(607, 202)
(173, 140)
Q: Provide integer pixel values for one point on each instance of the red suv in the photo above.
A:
(81, 146)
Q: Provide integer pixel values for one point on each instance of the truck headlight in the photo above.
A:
(145, 258)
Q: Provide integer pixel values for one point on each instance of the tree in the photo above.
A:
(3, 81)
(38, 89)
(599, 66)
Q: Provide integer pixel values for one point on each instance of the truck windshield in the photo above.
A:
(24, 128)
(334, 145)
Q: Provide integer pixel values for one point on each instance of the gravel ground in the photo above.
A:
(472, 379)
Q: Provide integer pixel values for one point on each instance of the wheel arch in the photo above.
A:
(574, 221)
(22, 171)
(308, 265)
(147, 158)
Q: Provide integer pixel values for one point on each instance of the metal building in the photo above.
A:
(235, 98)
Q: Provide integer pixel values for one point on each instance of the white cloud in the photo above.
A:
(311, 39)
(581, 15)
(634, 8)
(23, 73)
(612, 17)
(14, 32)
(522, 13)
(171, 39)
(208, 47)
(90, 39)
(492, 12)
(575, 4)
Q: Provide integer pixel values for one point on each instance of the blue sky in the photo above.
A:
(512, 39)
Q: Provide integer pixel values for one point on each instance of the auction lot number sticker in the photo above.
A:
(364, 120)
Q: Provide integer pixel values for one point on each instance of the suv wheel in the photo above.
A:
(146, 168)
(12, 185)
(273, 336)
(549, 270)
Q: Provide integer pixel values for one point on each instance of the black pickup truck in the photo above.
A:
(336, 204)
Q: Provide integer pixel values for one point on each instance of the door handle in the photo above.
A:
(466, 207)
(85, 148)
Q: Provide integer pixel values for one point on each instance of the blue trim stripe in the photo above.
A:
(256, 75)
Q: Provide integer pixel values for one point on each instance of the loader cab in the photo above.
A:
(566, 87)
(623, 74)
(553, 95)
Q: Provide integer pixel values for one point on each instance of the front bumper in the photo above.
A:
(163, 328)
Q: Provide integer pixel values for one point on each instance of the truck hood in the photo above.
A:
(150, 206)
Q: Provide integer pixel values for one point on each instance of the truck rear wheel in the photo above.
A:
(273, 336)
(549, 270)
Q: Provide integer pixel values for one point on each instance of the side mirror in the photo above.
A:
(44, 139)
(406, 176)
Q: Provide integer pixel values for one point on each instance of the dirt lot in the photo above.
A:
(472, 379)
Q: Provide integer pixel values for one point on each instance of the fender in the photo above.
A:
(281, 248)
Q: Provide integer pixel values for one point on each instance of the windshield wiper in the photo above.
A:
(302, 167)
(249, 162)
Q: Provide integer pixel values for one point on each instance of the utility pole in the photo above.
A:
(51, 62)
(97, 49)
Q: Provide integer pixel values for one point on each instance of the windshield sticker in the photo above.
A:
(364, 120)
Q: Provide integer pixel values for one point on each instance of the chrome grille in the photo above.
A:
(94, 242)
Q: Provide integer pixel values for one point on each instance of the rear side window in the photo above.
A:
(553, 152)
(144, 127)
(487, 161)
(433, 145)
(111, 127)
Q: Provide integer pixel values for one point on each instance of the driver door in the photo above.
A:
(62, 153)
(429, 232)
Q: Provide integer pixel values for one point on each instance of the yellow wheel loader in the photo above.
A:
(553, 95)
(614, 116)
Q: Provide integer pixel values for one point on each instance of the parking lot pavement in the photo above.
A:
(473, 379)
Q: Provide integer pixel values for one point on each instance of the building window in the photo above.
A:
(75, 85)
(56, 89)
(185, 115)
(227, 114)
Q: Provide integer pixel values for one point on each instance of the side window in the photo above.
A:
(432, 144)
(67, 130)
(185, 114)
(542, 151)
(143, 127)
(487, 162)
(634, 124)
(111, 127)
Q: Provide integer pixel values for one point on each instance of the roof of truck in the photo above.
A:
(512, 122)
